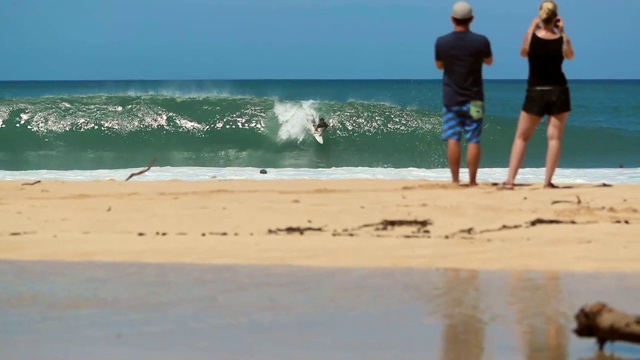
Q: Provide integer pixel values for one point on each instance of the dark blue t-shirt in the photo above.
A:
(462, 53)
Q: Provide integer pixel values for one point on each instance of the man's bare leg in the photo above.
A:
(473, 161)
(453, 156)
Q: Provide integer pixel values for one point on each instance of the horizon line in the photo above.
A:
(300, 79)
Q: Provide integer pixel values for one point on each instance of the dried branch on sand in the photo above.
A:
(142, 171)
(32, 183)
(295, 230)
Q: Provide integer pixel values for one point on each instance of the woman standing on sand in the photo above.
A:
(546, 46)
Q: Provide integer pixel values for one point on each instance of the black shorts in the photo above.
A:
(547, 101)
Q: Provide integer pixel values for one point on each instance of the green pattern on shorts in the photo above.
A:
(476, 110)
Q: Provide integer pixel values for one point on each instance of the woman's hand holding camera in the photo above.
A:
(559, 24)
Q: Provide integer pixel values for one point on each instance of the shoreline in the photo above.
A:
(324, 223)
(583, 176)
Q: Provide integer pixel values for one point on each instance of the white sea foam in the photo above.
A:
(295, 119)
(608, 175)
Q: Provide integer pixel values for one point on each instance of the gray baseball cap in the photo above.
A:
(462, 10)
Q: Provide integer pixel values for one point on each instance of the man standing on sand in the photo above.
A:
(461, 54)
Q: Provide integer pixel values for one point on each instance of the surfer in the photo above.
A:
(321, 126)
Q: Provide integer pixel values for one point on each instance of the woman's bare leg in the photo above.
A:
(555, 130)
(526, 126)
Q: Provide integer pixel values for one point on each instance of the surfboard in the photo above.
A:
(317, 134)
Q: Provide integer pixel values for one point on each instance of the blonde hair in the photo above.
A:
(548, 11)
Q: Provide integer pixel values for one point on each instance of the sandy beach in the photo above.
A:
(343, 223)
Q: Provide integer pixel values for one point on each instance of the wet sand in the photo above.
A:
(310, 269)
(51, 310)
(345, 223)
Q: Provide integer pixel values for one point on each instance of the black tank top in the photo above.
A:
(545, 62)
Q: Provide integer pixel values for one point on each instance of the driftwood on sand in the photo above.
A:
(142, 171)
(31, 183)
(606, 324)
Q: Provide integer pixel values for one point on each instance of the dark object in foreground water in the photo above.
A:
(142, 171)
(604, 323)
(263, 171)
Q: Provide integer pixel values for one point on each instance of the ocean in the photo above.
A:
(383, 129)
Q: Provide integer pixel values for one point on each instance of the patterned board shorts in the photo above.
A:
(463, 119)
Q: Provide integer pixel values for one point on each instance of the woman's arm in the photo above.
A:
(567, 48)
(524, 50)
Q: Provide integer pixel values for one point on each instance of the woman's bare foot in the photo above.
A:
(507, 186)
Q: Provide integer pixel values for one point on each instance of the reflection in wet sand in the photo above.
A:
(161, 311)
(463, 334)
(540, 319)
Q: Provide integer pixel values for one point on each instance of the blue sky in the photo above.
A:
(292, 39)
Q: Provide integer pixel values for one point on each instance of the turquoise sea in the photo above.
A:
(230, 129)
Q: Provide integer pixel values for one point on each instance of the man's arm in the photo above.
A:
(488, 54)
(439, 62)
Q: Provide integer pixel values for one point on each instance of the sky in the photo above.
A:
(292, 39)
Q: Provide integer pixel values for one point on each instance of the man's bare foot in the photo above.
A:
(551, 186)
(473, 184)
